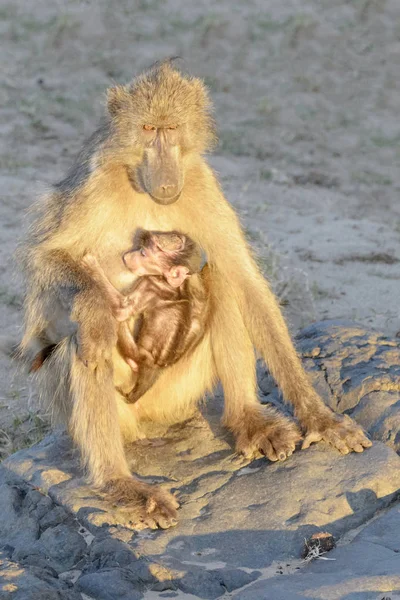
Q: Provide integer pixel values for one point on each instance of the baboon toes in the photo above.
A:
(275, 438)
(278, 443)
(339, 431)
(160, 510)
(149, 505)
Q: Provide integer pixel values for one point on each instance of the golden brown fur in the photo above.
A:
(170, 298)
(121, 181)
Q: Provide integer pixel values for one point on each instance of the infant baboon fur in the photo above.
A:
(144, 168)
(172, 305)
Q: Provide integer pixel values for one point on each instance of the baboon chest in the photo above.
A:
(118, 239)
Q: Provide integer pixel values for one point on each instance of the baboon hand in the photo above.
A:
(275, 436)
(150, 505)
(338, 430)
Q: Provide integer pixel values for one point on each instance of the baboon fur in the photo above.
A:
(97, 208)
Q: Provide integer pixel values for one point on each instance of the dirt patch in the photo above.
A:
(373, 257)
(306, 96)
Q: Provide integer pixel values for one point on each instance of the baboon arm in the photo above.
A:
(66, 276)
(123, 307)
(118, 302)
(231, 262)
(126, 343)
(85, 301)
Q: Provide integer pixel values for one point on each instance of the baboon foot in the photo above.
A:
(338, 430)
(151, 506)
(271, 434)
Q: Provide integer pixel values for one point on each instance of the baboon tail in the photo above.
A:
(53, 377)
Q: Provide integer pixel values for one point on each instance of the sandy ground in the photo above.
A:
(306, 95)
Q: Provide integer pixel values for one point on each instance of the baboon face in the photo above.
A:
(158, 254)
(143, 261)
(159, 120)
(161, 170)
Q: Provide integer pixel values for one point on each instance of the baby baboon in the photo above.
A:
(174, 312)
(144, 168)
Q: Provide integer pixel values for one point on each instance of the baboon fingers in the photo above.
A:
(159, 521)
(174, 501)
(358, 448)
(161, 509)
(268, 450)
(311, 438)
(358, 443)
(343, 434)
(284, 453)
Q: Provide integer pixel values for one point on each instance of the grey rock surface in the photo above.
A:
(366, 569)
(237, 519)
(18, 583)
(355, 370)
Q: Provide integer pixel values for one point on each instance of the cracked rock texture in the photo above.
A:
(237, 518)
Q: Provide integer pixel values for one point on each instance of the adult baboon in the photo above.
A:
(144, 167)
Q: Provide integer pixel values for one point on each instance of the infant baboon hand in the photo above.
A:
(340, 431)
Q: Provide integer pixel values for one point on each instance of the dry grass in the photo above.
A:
(27, 430)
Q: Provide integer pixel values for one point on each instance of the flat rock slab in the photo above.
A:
(366, 569)
(236, 519)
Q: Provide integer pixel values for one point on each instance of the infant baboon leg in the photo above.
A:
(127, 346)
(175, 394)
(148, 375)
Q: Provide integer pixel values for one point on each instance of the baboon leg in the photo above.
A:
(94, 422)
(128, 420)
(271, 337)
(94, 426)
(256, 428)
(231, 262)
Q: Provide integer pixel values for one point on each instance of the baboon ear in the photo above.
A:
(182, 240)
(116, 98)
(177, 275)
(170, 244)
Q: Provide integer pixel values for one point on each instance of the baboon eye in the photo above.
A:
(149, 127)
(172, 127)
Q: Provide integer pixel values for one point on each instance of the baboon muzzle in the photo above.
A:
(164, 178)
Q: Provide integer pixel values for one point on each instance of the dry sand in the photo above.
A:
(306, 95)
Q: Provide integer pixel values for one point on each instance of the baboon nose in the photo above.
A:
(166, 193)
